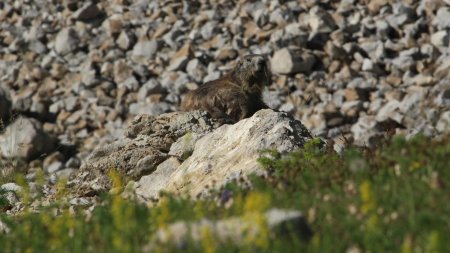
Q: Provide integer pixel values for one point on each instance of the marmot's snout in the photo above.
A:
(260, 63)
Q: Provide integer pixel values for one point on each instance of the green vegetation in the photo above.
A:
(391, 199)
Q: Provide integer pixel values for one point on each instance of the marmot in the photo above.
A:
(235, 96)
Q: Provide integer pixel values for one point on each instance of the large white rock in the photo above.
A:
(227, 153)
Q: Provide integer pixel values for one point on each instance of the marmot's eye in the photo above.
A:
(249, 60)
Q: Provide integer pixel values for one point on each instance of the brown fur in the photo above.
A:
(234, 96)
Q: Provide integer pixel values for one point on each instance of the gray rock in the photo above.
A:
(335, 52)
(419, 80)
(178, 64)
(25, 139)
(443, 98)
(54, 167)
(173, 98)
(11, 187)
(404, 63)
(152, 86)
(80, 202)
(65, 173)
(145, 49)
(87, 12)
(172, 37)
(287, 107)
(212, 76)
(281, 16)
(412, 99)
(432, 115)
(209, 29)
(286, 61)
(149, 108)
(321, 21)
(384, 29)
(130, 84)
(89, 76)
(231, 151)
(443, 66)
(442, 21)
(351, 108)
(440, 39)
(151, 185)
(292, 34)
(370, 66)
(234, 230)
(364, 131)
(37, 47)
(443, 125)
(121, 71)
(430, 51)
(390, 111)
(175, 82)
(56, 107)
(196, 70)
(70, 103)
(184, 146)
(126, 40)
(258, 12)
(375, 49)
(67, 41)
(73, 162)
(148, 141)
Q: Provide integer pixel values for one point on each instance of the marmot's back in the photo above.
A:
(236, 95)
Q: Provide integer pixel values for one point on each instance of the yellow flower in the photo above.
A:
(415, 166)
(208, 242)
(368, 201)
(257, 202)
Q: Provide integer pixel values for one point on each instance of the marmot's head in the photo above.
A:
(252, 73)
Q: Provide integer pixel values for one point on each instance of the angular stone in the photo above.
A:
(321, 21)
(145, 48)
(152, 86)
(196, 70)
(126, 40)
(66, 41)
(442, 21)
(87, 12)
(149, 108)
(443, 125)
(440, 39)
(389, 110)
(151, 185)
(286, 61)
(375, 5)
(25, 139)
(181, 58)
